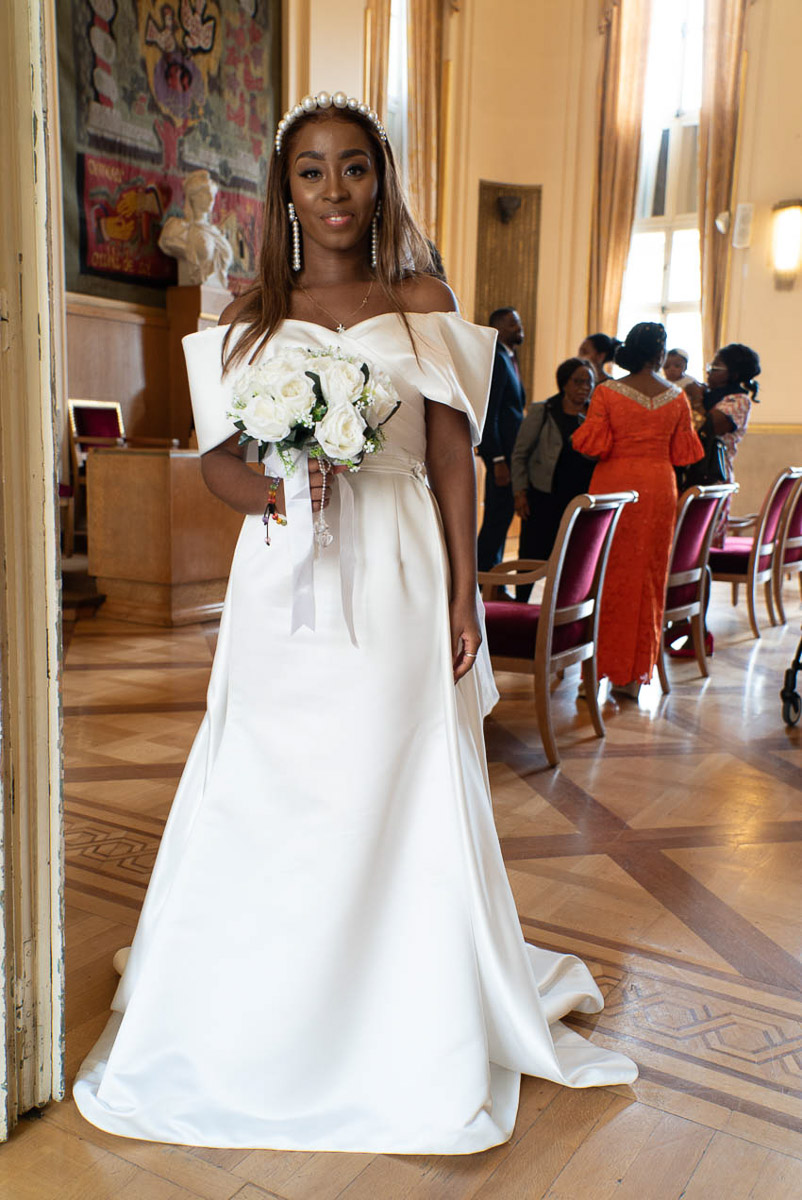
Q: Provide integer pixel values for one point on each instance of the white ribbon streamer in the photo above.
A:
(297, 498)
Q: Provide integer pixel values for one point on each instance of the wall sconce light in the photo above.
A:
(786, 244)
(507, 206)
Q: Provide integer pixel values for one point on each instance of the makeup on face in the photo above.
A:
(333, 182)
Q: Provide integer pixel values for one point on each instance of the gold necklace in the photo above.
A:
(340, 324)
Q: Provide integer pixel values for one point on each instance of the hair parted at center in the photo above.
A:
(402, 249)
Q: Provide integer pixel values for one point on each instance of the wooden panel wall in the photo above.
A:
(118, 351)
(507, 263)
(762, 454)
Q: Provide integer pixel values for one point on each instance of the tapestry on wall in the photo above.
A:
(151, 90)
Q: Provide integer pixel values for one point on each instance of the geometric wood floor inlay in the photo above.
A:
(666, 855)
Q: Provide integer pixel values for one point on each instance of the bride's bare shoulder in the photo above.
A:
(425, 293)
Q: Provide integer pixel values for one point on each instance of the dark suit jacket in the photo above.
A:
(505, 409)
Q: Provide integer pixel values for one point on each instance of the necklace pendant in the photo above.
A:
(341, 328)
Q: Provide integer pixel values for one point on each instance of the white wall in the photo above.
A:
(770, 169)
(525, 78)
(337, 46)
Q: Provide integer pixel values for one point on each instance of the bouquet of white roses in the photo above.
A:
(322, 401)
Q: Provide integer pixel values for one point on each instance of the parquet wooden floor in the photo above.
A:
(667, 856)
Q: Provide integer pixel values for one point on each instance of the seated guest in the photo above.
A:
(505, 411)
(675, 370)
(599, 349)
(546, 470)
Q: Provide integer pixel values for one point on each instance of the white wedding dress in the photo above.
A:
(329, 956)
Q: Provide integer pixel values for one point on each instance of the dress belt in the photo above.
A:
(302, 534)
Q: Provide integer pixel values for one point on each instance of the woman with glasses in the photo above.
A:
(731, 388)
(727, 401)
(546, 470)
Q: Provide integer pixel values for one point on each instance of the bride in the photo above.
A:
(329, 956)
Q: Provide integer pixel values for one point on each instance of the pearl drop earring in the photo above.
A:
(374, 236)
(295, 227)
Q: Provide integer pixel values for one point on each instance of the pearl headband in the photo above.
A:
(323, 100)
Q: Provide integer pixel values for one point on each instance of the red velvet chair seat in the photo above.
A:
(512, 630)
(733, 557)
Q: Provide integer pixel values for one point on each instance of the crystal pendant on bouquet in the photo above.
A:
(323, 535)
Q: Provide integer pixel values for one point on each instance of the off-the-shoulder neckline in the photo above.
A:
(350, 328)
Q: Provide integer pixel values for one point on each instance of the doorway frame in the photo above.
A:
(32, 371)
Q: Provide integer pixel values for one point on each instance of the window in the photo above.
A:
(663, 279)
(398, 85)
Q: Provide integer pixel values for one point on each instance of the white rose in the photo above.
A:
(265, 417)
(295, 391)
(291, 360)
(383, 399)
(341, 433)
(342, 382)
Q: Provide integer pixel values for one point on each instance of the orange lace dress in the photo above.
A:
(638, 441)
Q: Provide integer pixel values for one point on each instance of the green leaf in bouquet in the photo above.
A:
(297, 437)
(365, 369)
(317, 387)
(244, 438)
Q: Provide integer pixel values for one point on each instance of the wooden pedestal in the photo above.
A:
(160, 543)
(189, 309)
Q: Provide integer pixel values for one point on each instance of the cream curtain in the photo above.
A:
(425, 34)
(377, 54)
(718, 136)
(624, 25)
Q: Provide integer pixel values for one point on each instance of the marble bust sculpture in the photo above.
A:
(203, 251)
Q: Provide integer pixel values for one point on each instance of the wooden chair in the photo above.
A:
(541, 639)
(750, 560)
(686, 587)
(96, 423)
(788, 554)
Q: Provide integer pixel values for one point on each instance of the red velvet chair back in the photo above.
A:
(575, 579)
(588, 538)
(792, 527)
(773, 512)
(96, 418)
(697, 513)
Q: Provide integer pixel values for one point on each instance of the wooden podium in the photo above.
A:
(160, 544)
(189, 308)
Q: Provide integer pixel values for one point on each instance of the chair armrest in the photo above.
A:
(742, 522)
(510, 574)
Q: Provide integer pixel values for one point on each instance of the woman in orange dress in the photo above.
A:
(639, 428)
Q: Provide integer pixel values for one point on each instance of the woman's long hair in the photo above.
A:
(402, 248)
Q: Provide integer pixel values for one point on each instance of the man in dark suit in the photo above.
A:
(505, 413)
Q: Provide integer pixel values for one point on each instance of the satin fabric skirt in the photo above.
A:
(329, 956)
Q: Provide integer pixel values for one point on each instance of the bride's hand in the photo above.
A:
(316, 483)
(466, 637)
